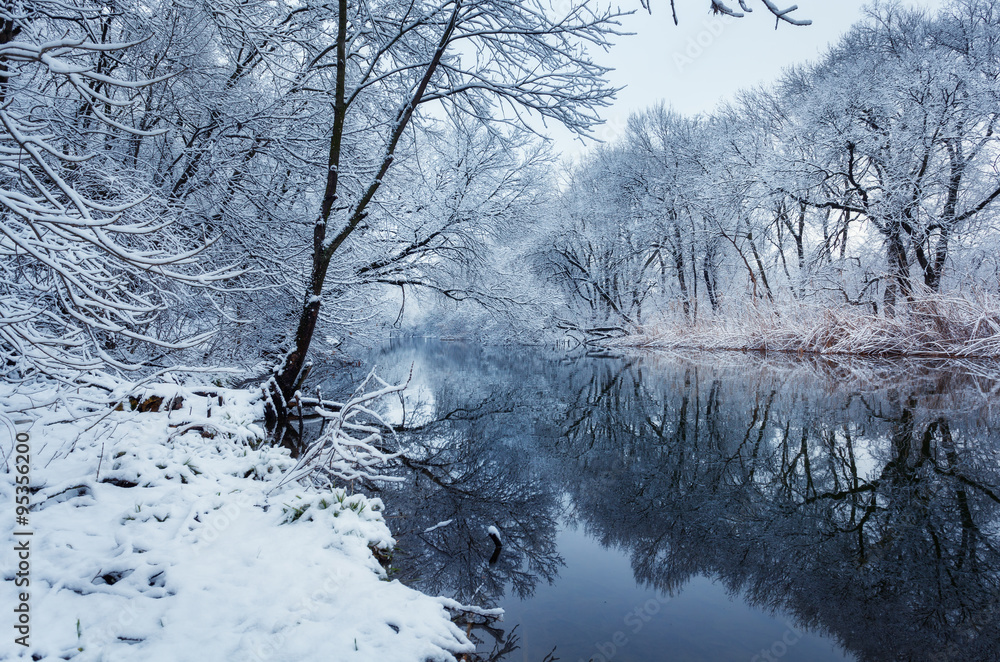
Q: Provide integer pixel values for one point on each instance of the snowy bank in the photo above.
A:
(164, 536)
(932, 326)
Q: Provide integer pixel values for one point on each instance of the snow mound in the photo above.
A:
(162, 536)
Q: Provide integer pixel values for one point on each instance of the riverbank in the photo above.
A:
(936, 327)
(163, 532)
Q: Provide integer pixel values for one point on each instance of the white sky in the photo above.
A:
(705, 59)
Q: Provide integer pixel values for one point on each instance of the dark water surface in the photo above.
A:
(712, 509)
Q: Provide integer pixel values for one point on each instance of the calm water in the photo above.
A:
(717, 509)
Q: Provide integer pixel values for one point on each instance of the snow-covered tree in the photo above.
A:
(87, 258)
(383, 67)
(863, 179)
(907, 124)
(443, 220)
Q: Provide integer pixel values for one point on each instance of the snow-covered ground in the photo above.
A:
(158, 541)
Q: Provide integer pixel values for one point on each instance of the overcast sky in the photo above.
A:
(705, 59)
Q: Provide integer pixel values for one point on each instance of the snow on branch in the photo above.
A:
(351, 447)
(87, 260)
(720, 7)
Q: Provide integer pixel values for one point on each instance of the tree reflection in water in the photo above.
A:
(461, 436)
(864, 505)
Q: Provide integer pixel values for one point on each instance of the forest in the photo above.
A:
(238, 184)
(857, 191)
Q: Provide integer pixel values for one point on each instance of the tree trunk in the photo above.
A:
(713, 296)
(678, 252)
(933, 277)
(760, 267)
(933, 271)
(899, 272)
(287, 378)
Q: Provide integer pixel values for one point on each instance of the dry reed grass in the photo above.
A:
(931, 326)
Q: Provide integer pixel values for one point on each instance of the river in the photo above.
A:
(712, 508)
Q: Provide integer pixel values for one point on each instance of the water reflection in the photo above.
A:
(870, 515)
(865, 506)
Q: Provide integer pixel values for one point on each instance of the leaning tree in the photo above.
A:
(388, 65)
(381, 68)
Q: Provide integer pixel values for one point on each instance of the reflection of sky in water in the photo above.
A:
(869, 452)
(708, 479)
(869, 455)
(415, 405)
(595, 603)
(410, 408)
